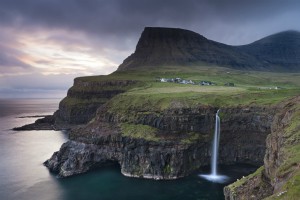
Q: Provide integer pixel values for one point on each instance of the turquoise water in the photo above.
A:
(23, 176)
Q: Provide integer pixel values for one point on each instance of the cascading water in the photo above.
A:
(214, 177)
(215, 147)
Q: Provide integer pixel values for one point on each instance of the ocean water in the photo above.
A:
(23, 176)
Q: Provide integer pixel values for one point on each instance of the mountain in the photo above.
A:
(173, 46)
(281, 50)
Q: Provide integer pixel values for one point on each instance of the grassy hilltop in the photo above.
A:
(251, 87)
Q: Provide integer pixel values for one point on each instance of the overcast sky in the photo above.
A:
(46, 43)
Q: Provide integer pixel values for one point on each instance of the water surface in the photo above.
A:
(23, 176)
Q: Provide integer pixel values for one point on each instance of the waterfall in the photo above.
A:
(215, 146)
(214, 177)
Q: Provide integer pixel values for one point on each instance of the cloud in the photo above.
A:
(11, 58)
(71, 37)
(118, 20)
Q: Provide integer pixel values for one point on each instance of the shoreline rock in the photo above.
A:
(170, 154)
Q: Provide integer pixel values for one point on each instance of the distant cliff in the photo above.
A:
(173, 46)
(86, 95)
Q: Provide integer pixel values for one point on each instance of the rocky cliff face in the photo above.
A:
(279, 177)
(180, 143)
(85, 96)
(173, 46)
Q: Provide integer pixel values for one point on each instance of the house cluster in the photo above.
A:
(183, 81)
(271, 88)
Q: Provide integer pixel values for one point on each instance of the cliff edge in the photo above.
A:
(279, 177)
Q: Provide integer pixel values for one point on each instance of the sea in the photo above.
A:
(24, 177)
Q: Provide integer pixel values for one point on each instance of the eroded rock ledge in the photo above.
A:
(279, 177)
(166, 146)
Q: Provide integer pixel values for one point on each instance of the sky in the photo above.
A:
(45, 44)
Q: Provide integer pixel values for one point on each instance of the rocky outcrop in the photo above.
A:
(255, 186)
(281, 170)
(136, 157)
(86, 95)
(45, 123)
(81, 103)
(181, 143)
(172, 46)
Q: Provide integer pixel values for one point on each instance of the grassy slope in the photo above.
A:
(250, 88)
(151, 97)
(290, 169)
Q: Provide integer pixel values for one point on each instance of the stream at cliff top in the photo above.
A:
(23, 176)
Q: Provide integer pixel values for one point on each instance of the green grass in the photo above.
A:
(157, 99)
(290, 190)
(243, 180)
(219, 75)
(250, 87)
(292, 187)
(193, 137)
(77, 102)
(151, 134)
(291, 146)
(139, 131)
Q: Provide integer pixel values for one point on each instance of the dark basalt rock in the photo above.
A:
(272, 180)
(137, 157)
(244, 131)
(85, 96)
(45, 123)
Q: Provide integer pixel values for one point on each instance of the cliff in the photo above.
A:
(279, 177)
(82, 101)
(165, 144)
(86, 95)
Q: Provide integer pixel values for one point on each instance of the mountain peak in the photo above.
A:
(163, 46)
(289, 36)
(164, 31)
(278, 51)
(160, 46)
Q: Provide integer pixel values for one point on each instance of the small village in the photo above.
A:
(205, 83)
(183, 81)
